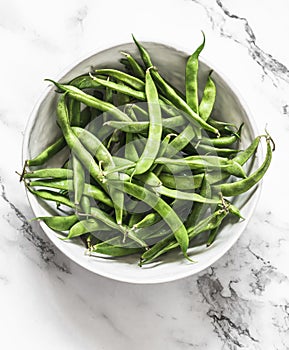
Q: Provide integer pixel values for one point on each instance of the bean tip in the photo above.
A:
(92, 76)
(23, 171)
(151, 67)
(125, 53)
(188, 258)
(50, 80)
(270, 139)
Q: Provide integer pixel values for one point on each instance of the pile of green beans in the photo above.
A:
(150, 169)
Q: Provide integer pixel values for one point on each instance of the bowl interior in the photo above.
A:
(42, 131)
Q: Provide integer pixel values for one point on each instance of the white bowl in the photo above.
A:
(42, 130)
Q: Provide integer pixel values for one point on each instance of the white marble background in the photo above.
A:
(242, 301)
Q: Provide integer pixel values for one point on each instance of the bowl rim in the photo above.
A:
(160, 279)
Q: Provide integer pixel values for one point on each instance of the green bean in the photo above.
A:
(74, 112)
(148, 221)
(155, 128)
(129, 127)
(161, 207)
(181, 182)
(224, 141)
(245, 155)
(86, 226)
(153, 181)
(149, 179)
(235, 211)
(50, 151)
(157, 169)
(78, 179)
(139, 143)
(91, 101)
(181, 141)
(139, 127)
(188, 196)
(241, 159)
(119, 161)
(214, 150)
(128, 79)
(156, 250)
(208, 99)
(108, 94)
(139, 72)
(244, 185)
(205, 162)
(164, 144)
(122, 99)
(114, 247)
(154, 234)
(199, 208)
(74, 144)
(124, 89)
(98, 194)
(59, 223)
(173, 96)
(84, 82)
(135, 66)
(140, 113)
(106, 219)
(224, 127)
(52, 196)
(192, 68)
(100, 215)
(56, 173)
(85, 204)
(126, 64)
(114, 139)
(59, 144)
(130, 112)
(135, 218)
(95, 146)
(96, 127)
(130, 150)
(88, 190)
(108, 97)
(192, 116)
(168, 107)
(85, 117)
(213, 234)
(170, 243)
(175, 89)
(128, 167)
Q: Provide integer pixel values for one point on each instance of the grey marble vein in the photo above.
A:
(229, 314)
(281, 319)
(111, 323)
(79, 18)
(45, 249)
(238, 29)
(264, 274)
(4, 279)
(285, 110)
(189, 345)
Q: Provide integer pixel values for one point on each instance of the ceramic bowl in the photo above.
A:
(42, 130)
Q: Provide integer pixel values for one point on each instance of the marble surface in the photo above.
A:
(242, 301)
